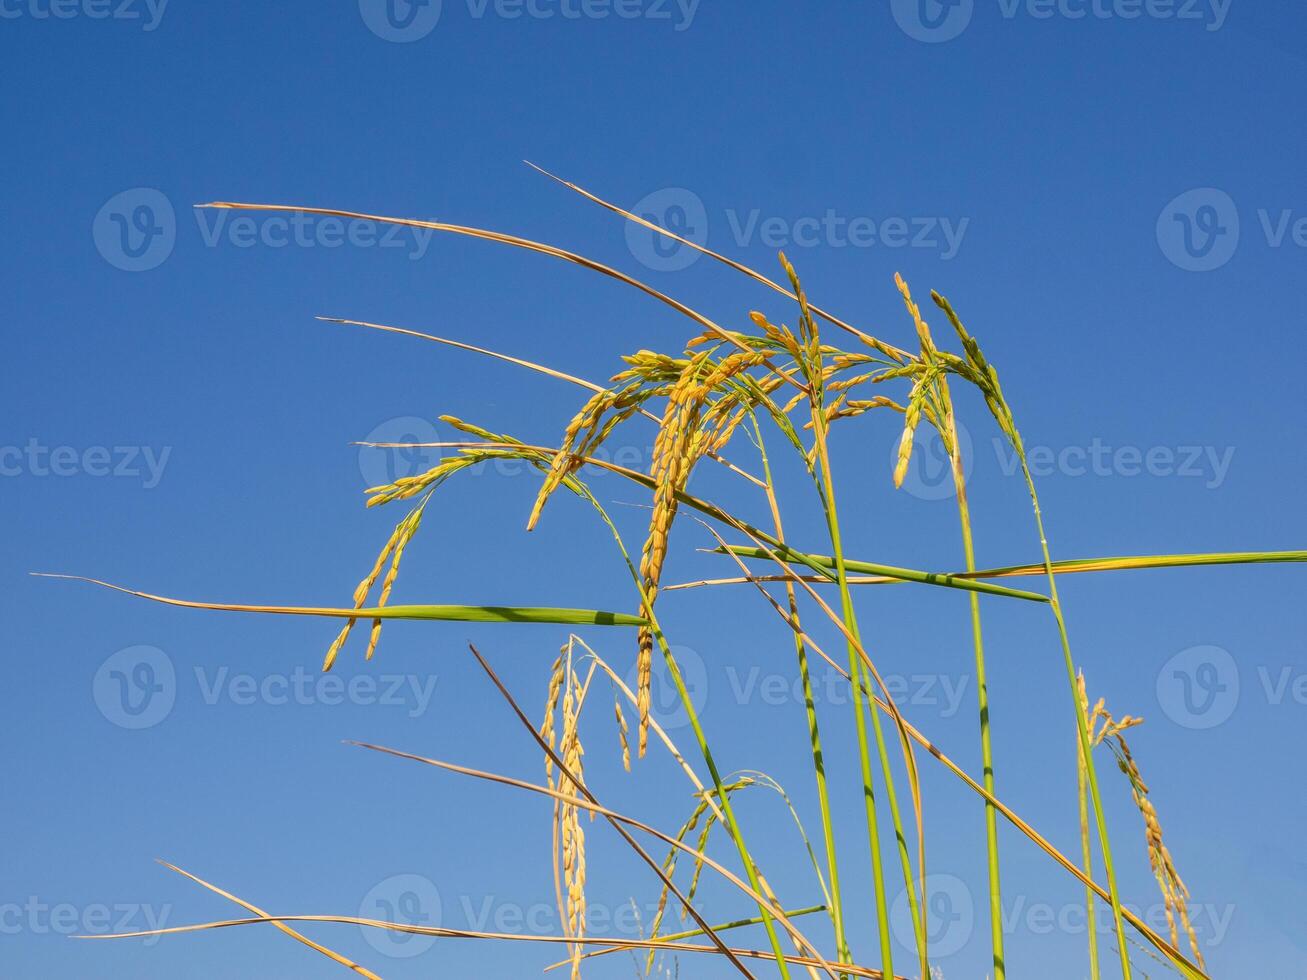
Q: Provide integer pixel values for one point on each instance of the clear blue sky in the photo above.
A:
(176, 420)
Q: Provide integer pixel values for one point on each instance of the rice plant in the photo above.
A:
(737, 397)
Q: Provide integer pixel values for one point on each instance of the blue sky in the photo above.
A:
(1109, 192)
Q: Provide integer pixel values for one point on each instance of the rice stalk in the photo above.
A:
(736, 953)
(855, 673)
(672, 937)
(886, 705)
(1061, 567)
(767, 907)
(887, 349)
(728, 817)
(704, 806)
(993, 394)
(709, 395)
(834, 899)
(945, 422)
(279, 923)
(826, 565)
(445, 613)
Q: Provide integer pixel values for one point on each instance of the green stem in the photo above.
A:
(818, 758)
(728, 813)
(1082, 726)
(827, 489)
(986, 752)
(738, 923)
(823, 563)
(1087, 855)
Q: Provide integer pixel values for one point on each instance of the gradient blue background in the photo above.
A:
(1060, 141)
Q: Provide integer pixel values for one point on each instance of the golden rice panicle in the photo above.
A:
(911, 416)
(1106, 729)
(573, 833)
(679, 445)
(410, 527)
(622, 732)
(701, 845)
(984, 376)
(807, 325)
(669, 869)
(1175, 893)
(596, 420)
(669, 469)
(563, 462)
(781, 336)
(923, 331)
(396, 541)
(648, 365)
(557, 675)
